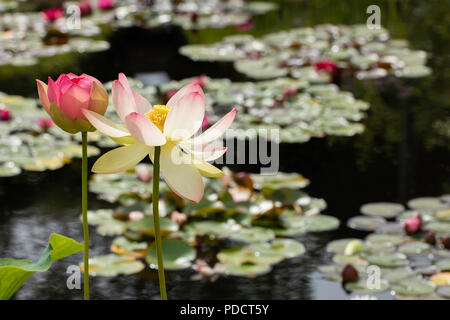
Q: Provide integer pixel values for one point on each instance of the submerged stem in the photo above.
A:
(84, 211)
(155, 203)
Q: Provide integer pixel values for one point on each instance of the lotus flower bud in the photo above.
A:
(105, 4)
(45, 124)
(5, 115)
(445, 240)
(413, 224)
(353, 247)
(52, 14)
(328, 66)
(85, 8)
(349, 274)
(430, 238)
(65, 98)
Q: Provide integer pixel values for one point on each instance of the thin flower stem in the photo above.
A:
(85, 218)
(155, 203)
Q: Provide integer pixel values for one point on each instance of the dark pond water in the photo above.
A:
(398, 157)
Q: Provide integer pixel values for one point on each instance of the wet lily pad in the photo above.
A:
(443, 265)
(338, 246)
(315, 223)
(443, 291)
(397, 274)
(9, 169)
(246, 255)
(427, 203)
(382, 209)
(112, 265)
(413, 287)
(247, 269)
(414, 248)
(253, 234)
(364, 286)
(438, 227)
(122, 245)
(365, 223)
(385, 239)
(146, 226)
(285, 248)
(177, 255)
(219, 229)
(389, 260)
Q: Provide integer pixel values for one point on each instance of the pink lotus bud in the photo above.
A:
(45, 124)
(200, 80)
(5, 115)
(247, 25)
(327, 65)
(65, 98)
(136, 215)
(105, 4)
(412, 224)
(349, 273)
(53, 14)
(143, 172)
(85, 8)
(288, 92)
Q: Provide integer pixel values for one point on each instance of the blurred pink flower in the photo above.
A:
(326, 65)
(52, 14)
(136, 215)
(65, 99)
(85, 8)
(413, 224)
(45, 124)
(247, 25)
(288, 92)
(143, 172)
(5, 115)
(105, 4)
(200, 80)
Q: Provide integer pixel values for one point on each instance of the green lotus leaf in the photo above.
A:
(14, 272)
(146, 226)
(338, 246)
(177, 255)
(219, 229)
(382, 209)
(388, 260)
(253, 234)
(246, 255)
(365, 223)
(443, 265)
(394, 275)
(314, 223)
(285, 248)
(367, 287)
(122, 245)
(413, 287)
(9, 169)
(443, 291)
(111, 265)
(279, 181)
(342, 259)
(385, 239)
(427, 203)
(414, 248)
(440, 227)
(247, 269)
(112, 228)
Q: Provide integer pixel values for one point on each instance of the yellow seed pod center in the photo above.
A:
(158, 115)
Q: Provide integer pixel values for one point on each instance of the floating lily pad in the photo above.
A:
(365, 223)
(220, 229)
(122, 245)
(397, 274)
(364, 286)
(177, 254)
(443, 265)
(315, 223)
(338, 246)
(279, 181)
(413, 287)
(385, 239)
(438, 227)
(9, 169)
(443, 291)
(285, 248)
(253, 234)
(382, 209)
(249, 270)
(389, 260)
(414, 248)
(112, 265)
(246, 255)
(427, 203)
(146, 226)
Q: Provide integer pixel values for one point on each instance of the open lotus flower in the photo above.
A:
(183, 157)
(68, 96)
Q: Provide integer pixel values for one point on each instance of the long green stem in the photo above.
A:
(85, 219)
(155, 203)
